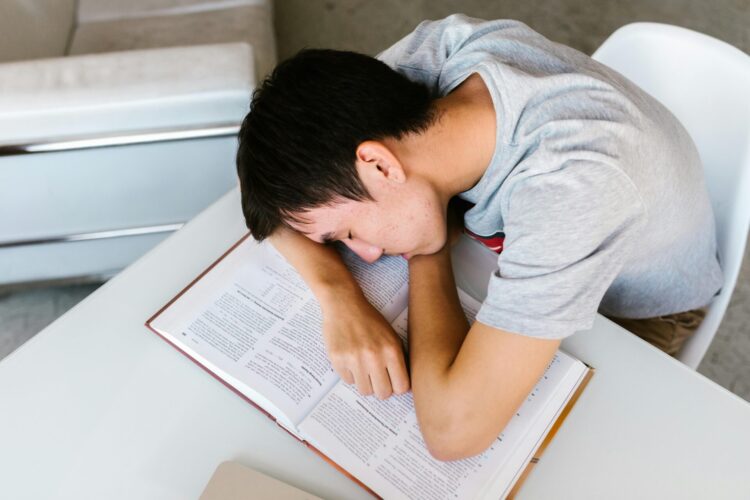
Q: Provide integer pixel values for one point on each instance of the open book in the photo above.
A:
(252, 322)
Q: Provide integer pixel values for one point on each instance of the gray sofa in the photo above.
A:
(115, 135)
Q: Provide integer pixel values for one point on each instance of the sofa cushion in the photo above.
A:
(188, 23)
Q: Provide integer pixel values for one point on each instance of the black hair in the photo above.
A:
(297, 145)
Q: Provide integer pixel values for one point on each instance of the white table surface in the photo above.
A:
(97, 407)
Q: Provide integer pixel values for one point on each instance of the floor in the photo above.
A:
(25, 312)
(370, 26)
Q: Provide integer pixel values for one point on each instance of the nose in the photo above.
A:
(368, 253)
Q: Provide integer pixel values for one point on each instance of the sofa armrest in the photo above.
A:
(125, 92)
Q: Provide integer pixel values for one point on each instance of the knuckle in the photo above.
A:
(340, 368)
(369, 354)
(393, 353)
(337, 355)
(350, 358)
(394, 341)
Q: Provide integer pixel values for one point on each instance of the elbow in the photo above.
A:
(447, 441)
(446, 450)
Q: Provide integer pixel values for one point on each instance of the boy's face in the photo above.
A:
(405, 218)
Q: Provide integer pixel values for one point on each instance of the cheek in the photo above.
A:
(428, 222)
(413, 219)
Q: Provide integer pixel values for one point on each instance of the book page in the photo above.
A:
(381, 444)
(385, 282)
(255, 319)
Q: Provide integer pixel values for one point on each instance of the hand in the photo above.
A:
(363, 348)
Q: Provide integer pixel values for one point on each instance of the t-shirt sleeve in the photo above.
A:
(568, 234)
(428, 53)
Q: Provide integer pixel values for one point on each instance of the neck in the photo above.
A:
(453, 154)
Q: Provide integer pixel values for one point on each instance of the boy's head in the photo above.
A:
(313, 156)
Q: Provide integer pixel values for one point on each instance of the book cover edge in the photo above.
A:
(553, 431)
(196, 279)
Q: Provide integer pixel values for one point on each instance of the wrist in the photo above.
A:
(440, 258)
(336, 291)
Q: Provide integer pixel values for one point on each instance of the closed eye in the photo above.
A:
(328, 238)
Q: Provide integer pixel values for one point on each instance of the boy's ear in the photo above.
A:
(376, 162)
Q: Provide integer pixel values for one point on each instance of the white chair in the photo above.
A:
(705, 83)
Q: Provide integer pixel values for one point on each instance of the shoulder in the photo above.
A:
(442, 38)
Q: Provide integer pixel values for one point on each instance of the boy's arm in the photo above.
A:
(466, 386)
(362, 346)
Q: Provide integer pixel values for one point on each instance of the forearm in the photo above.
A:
(361, 345)
(437, 325)
(320, 266)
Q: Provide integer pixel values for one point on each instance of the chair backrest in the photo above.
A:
(705, 83)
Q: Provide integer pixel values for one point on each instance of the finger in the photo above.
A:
(399, 375)
(346, 375)
(362, 379)
(381, 382)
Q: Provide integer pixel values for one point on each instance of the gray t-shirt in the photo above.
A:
(595, 186)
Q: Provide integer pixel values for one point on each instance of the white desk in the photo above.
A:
(98, 407)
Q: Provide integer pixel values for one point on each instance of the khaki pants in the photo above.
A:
(669, 332)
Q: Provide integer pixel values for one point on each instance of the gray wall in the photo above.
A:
(372, 25)
(30, 29)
